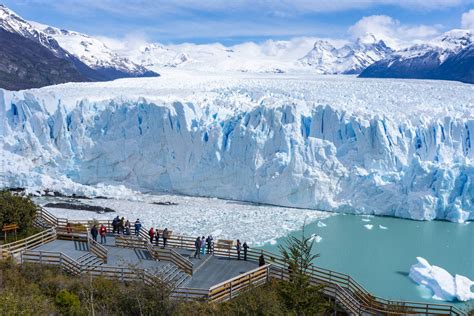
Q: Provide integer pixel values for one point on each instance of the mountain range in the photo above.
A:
(35, 55)
(31, 57)
(448, 57)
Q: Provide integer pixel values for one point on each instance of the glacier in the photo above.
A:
(366, 146)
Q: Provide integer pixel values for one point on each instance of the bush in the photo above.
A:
(68, 303)
(15, 209)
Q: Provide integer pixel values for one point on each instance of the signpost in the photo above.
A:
(8, 228)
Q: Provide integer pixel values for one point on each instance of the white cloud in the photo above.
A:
(467, 20)
(392, 31)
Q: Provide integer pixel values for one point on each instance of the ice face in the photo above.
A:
(394, 148)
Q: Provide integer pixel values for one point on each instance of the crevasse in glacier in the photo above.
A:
(299, 154)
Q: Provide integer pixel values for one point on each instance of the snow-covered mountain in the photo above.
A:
(449, 57)
(350, 59)
(269, 56)
(11, 22)
(303, 54)
(338, 143)
(95, 54)
(30, 57)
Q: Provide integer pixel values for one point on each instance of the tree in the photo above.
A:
(298, 293)
(17, 209)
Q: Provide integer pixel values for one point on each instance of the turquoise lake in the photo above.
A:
(380, 259)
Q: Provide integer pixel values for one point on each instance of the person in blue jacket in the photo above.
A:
(138, 226)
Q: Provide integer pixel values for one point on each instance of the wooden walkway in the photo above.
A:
(214, 278)
(207, 271)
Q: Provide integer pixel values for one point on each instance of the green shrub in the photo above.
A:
(68, 303)
(15, 209)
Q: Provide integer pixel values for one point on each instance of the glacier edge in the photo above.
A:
(309, 156)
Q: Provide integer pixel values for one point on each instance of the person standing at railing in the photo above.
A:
(209, 244)
(261, 260)
(115, 224)
(127, 227)
(203, 245)
(121, 227)
(94, 233)
(197, 246)
(138, 226)
(103, 234)
(157, 237)
(151, 233)
(238, 247)
(165, 237)
(245, 246)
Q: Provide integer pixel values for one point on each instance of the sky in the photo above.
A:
(235, 21)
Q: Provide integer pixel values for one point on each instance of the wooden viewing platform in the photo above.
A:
(216, 277)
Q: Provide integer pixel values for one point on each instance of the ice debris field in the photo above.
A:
(195, 216)
(338, 143)
(444, 286)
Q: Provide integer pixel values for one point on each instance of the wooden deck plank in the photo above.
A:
(218, 269)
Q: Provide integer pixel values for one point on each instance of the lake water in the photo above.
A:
(380, 259)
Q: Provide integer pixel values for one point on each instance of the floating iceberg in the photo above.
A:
(321, 224)
(382, 147)
(369, 226)
(445, 287)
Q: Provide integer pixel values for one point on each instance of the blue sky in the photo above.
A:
(235, 21)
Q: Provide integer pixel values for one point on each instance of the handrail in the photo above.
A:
(11, 249)
(339, 281)
(182, 263)
(230, 288)
(97, 249)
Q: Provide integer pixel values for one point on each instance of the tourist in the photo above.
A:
(103, 233)
(68, 228)
(203, 245)
(261, 260)
(245, 246)
(157, 237)
(209, 244)
(197, 245)
(138, 226)
(151, 233)
(122, 225)
(115, 224)
(94, 233)
(238, 247)
(165, 237)
(127, 227)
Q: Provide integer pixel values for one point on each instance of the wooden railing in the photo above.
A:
(231, 288)
(339, 286)
(14, 248)
(97, 249)
(351, 294)
(165, 254)
(52, 258)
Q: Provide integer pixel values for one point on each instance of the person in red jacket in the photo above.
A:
(151, 233)
(103, 234)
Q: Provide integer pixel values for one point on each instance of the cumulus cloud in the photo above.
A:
(392, 31)
(467, 20)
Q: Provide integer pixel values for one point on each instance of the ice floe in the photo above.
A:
(444, 286)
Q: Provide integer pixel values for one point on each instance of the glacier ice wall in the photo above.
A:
(321, 158)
